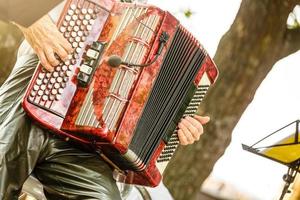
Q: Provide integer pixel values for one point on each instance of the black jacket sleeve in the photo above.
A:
(25, 12)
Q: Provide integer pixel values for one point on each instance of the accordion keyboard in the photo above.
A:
(75, 26)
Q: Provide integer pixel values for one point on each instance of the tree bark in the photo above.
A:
(257, 39)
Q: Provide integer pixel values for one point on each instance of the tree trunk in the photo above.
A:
(257, 39)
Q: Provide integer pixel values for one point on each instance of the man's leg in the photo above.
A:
(20, 140)
(70, 173)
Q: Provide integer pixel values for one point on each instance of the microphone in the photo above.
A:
(115, 60)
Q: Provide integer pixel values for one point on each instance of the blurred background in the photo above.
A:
(263, 82)
(10, 38)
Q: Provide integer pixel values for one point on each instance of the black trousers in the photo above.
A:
(66, 172)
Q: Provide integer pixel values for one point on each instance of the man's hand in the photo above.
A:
(190, 129)
(47, 42)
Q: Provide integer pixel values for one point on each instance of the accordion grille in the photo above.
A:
(177, 73)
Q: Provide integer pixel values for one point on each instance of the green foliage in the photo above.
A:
(188, 13)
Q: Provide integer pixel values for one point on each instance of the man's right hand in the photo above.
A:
(47, 42)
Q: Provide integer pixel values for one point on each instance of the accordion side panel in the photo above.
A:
(143, 88)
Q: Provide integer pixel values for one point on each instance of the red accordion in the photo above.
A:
(134, 74)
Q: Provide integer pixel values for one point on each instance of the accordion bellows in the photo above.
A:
(128, 114)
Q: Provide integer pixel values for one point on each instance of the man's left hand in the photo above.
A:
(190, 129)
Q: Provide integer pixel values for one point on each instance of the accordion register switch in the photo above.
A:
(89, 64)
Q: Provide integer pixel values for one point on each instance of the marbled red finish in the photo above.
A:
(210, 68)
(143, 88)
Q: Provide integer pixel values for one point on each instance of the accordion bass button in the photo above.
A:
(78, 39)
(62, 29)
(85, 22)
(36, 87)
(78, 50)
(84, 11)
(65, 79)
(81, 17)
(43, 87)
(32, 93)
(67, 34)
(73, 6)
(81, 44)
(75, 17)
(92, 21)
(58, 97)
(65, 23)
(41, 75)
(90, 11)
(87, 17)
(89, 27)
(73, 61)
(71, 11)
(45, 97)
(54, 91)
(38, 81)
(60, 91)
(67, 62)
(51, 98)
(72, 23)
(52, 80)
(55, 74)
(77, 11)
(63, 85)
(64, 68)
(56, 85)
(40, 93)
(48, 74)
(74, 44)
(73, 34)
(76, 29)
(68, 73)
(68, 18)
(59, 79)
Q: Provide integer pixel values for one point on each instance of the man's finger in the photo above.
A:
(44, 61)
(192, 130)
(202, 120)
(196, 123)
(51, 57)
(189, 136)
(183, 140)
(61, 52)
(65, 44)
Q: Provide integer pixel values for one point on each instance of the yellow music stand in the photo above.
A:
(282, 146)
